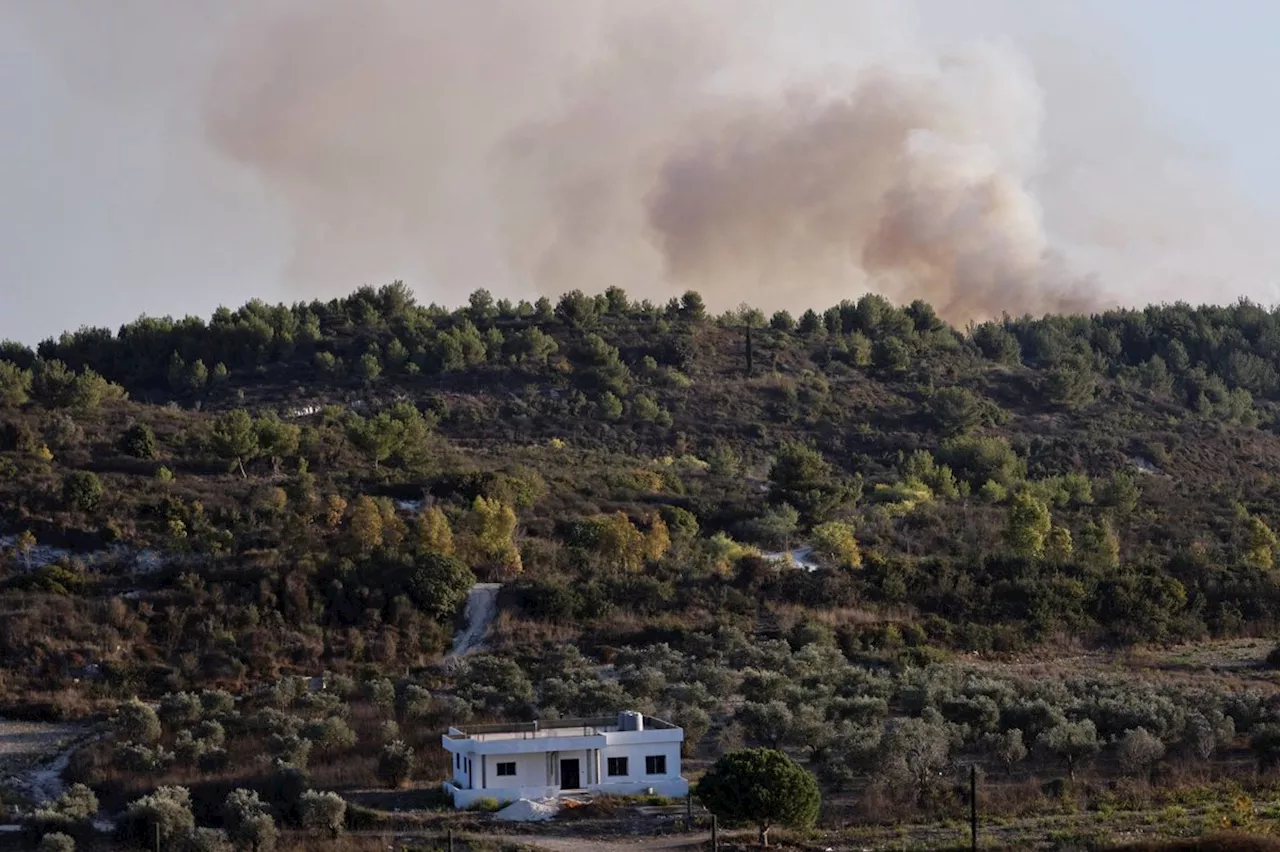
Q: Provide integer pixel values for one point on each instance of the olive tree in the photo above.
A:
(248, 821)
(323, 812)
(1073, 742)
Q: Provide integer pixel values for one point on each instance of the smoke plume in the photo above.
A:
(784, 154)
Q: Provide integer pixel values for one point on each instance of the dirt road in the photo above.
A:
(482, 609)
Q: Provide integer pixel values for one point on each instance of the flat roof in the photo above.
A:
(550, 728)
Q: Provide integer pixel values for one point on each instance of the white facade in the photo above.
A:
(624, 755)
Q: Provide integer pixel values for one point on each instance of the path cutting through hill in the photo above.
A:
(481, 610)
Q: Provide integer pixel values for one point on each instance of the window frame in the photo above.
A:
(614, 762)
(500, 766)
(658, 760)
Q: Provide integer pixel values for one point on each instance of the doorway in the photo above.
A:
(569, 777)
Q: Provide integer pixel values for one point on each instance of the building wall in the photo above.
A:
(636, 754)
(531, 770)
(532, 781)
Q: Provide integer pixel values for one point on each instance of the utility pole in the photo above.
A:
(715, 834)
(451, 840)
(750, 359)
(973, 807)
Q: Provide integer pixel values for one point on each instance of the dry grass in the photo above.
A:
(1229, 842)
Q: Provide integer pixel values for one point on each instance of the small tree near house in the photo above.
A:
(761, 786)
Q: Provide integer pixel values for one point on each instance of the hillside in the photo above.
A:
(290, 490)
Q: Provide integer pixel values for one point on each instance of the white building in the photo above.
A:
(627, 754)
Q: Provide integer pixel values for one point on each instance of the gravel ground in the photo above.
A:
(31, 755)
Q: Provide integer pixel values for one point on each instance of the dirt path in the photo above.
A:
(33, 756)
(617, 844)
(482, 609)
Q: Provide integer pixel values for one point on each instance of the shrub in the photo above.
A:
(248, 821)
(137, 722)
(139, 442)
(1139, 751)
(323, 812)
(396, 763)
(210, 840)
(57, 842)
(81, 489)
(168, 811)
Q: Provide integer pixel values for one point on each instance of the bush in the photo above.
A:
(167, 810)
(485, 805)
(323, 812)
(396, 763)
(57, 842)
(137, 722)
(248, 821)
(139, 442)
(82, 490)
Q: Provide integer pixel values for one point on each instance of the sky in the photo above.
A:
(114, 203)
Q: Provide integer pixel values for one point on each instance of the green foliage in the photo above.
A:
(323, 812)
(892, 355)
(802, 478)
(166, 813)
(978, 460)
(1069, 384)
(835, 541)
(57, 842)
(763, 787)
(1073, 742)
(135, 721)
(15, 385)
(248, 821)
(235, 439)
(139, 442)
(438, 584)
(1029, 525)
(396, 763)
(400, 435)
(82, 490)
(956, 410)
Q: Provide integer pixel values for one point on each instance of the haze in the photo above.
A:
(168, 156)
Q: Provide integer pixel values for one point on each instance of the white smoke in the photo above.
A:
(789, 155)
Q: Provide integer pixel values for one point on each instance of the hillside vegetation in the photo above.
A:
(291, 490)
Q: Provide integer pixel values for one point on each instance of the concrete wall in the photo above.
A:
(504, 795)
(531, 771)
(635, 755)
(535, 780)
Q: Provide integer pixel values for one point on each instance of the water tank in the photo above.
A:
(629, 720)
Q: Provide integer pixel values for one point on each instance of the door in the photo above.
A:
(569, 778)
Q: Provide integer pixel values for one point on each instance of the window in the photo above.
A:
(655, 764)
(457, 761)
(506, 769)
(617, 766)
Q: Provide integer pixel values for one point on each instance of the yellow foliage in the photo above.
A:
(364, 525)
(835, 540)
(394, 529)
(657, 541)
(490, 539)
(433, 532)
(334, 509)
(619, 542)
(725, 552)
